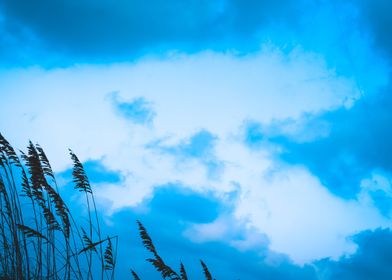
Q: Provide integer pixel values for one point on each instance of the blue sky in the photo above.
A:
(252, 134)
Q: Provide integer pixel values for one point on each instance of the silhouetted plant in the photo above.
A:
(39, 236)
(166, 271)
(135, 276)
(207, 273)
(183, 272)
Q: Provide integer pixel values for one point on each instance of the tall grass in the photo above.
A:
(39, 236)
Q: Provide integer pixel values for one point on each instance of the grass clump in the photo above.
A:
(39, 236)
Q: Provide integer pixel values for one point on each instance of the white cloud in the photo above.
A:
(300, 216)
(212, 91)
(71, 107)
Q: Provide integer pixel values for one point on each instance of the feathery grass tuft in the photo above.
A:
(207, 273)
(38, 233)
(165, 270)
(109, 259)
(79, 175)
(29, 232)
(135, 276)
(183, 272)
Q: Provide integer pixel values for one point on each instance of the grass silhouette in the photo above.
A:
(39, 236)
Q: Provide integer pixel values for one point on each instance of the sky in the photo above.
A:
(252, 134)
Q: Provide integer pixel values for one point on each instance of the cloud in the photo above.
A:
(297, 212)
(195, 140)
(375, 18)
(200, 147)
(138, 110)
(357, 143)
(105, 30)
(56, 33)
(377, 189)
(11, 34)
(371, 260)
(176, 233)
(221, 86)
(166, 225)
